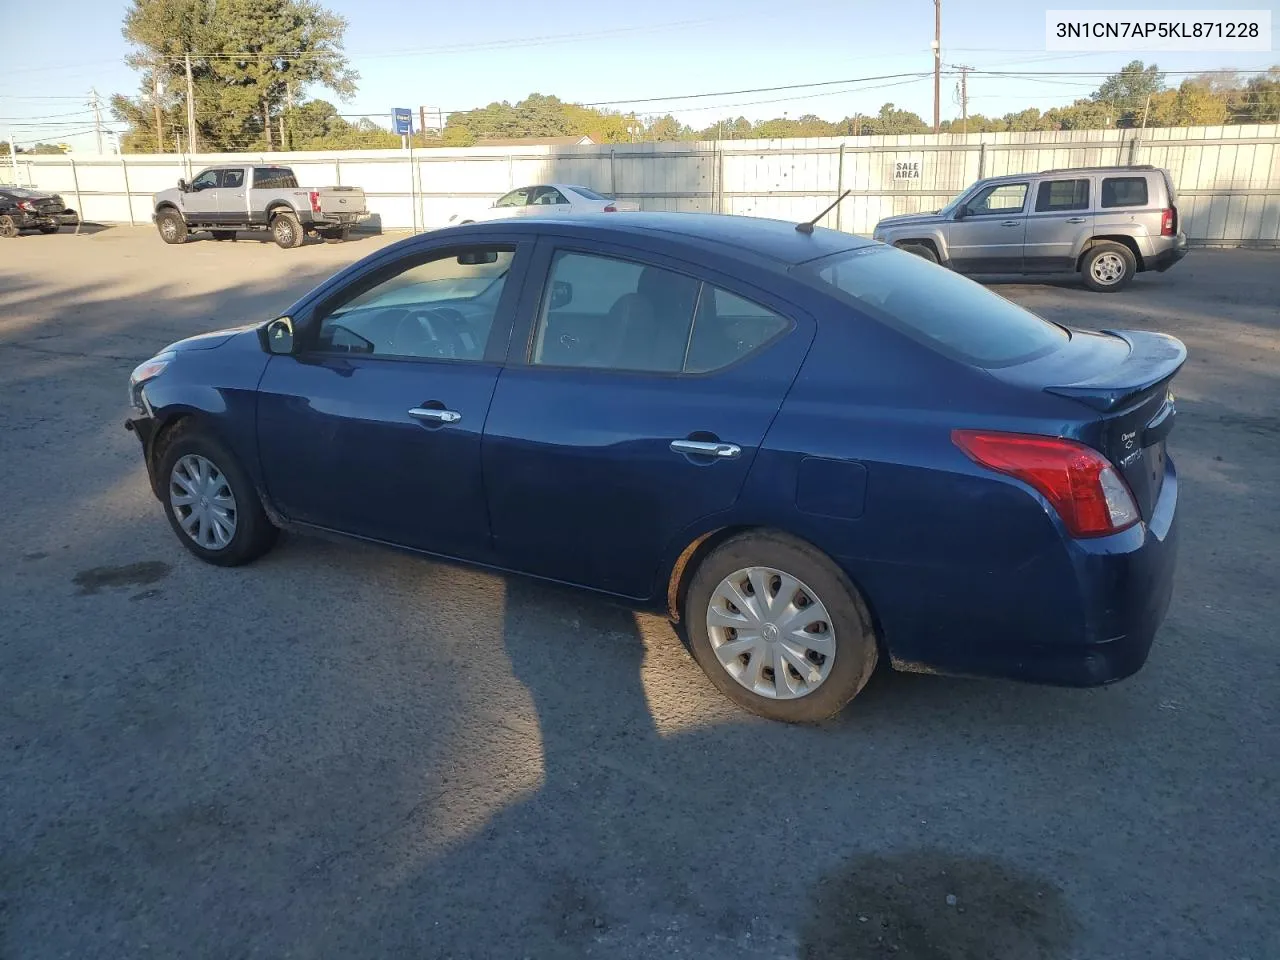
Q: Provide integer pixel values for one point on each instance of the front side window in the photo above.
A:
(1056, 195)
(941, 309)
(440, 309)
(1124, 191)
(614, 314)
(516, 198)
(233, 178)
(998, 200)
(206, 180)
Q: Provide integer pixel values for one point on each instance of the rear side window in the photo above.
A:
(589, 194)
(274, 178)
(943, 310)
(1124, 191)
(1056, 195)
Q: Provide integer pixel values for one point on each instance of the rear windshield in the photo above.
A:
(19, 192)
(943, 310)
(589, 194)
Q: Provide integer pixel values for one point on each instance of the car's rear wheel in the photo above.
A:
(224, 234)
(171, 226)
(210, 501)
(922, 250)
(286, 230)
(8, 227)
(1108, 267)
(778, 628)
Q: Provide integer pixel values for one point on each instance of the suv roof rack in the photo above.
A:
(1135, 166)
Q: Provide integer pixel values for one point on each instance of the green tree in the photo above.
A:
(890, 121)
(249, 60)
(1126, 92)
(1261, 100)
(1193, 104)
(1081, 115)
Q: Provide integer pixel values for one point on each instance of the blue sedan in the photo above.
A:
(813, 451)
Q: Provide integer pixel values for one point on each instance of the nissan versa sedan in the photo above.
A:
(813, 451)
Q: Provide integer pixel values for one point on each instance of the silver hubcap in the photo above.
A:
(1108, 268)
(169, 229)
(284, 230)
(771, 633)
(203, 502)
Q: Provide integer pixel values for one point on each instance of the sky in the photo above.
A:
(457, 56)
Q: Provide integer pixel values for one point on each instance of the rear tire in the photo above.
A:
(8, 227)
(253, 533)
(838, 622)
(173, 229)
(921, 250)
(1108, 267)
(286, 230)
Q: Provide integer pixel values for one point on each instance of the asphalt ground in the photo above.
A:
(346, 752)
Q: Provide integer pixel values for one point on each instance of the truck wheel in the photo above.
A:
(224, 234)
(286, 230)
(920, 250)
(1108, 267)
(8, 229)
(173, 229)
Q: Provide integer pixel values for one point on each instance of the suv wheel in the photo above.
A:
(1108, 267)
(171, 226)
(286, 230)
(920, 250)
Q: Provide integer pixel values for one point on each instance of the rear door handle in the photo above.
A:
(435, 416)
(1075, 219)
(704, 448)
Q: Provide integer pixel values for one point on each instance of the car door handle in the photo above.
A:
(435, 416)
(1010, 223)
(704, 448)
(1075, 219)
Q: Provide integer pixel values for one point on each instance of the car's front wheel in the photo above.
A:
(1108, 267)
(210, 501)
(922, 250)
(8, 227)
(173, 229)
(778, 628)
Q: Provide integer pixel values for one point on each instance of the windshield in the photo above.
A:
(955, 202)
(941, 309)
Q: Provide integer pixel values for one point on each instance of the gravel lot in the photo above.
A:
(343, 752)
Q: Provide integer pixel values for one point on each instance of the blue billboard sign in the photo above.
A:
(402, 120)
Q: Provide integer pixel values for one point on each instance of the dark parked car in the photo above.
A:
(22, 209)
(812, 450)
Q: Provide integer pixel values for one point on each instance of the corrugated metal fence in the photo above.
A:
(1228, 178)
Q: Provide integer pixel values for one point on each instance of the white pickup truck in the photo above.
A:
(231, 197)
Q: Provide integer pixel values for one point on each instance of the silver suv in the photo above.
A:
(1106, 223)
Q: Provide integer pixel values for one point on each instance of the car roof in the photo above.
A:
(773, 239)
(1067, 171)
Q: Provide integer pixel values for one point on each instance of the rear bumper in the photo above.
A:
(1165, 259)
(1085, 619)
(32, 221)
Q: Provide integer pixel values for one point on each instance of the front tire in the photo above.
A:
(8, 227)
(779, 629)
(286, 230)
(210, 501)
(921, 250)
(1108, 267)
(173, 229)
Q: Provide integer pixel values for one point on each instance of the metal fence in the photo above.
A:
(1227, 178)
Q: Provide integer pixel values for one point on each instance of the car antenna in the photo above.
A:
(808, 227)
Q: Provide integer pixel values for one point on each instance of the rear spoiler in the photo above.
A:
(1153, 358)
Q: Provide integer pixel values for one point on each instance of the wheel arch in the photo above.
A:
(277, 207)
(680, 573)
(1123, 239)
(929, 242)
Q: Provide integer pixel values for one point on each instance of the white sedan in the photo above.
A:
(547, 198)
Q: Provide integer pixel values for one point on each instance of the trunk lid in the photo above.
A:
(1122, 381)
(341, 200)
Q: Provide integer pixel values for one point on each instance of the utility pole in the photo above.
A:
(13, 157)
(937, 65)
(1145, 111)
(155, 105)
(288, 108)
(97, 117)
(191, 108)
(422, 120)
(964, 97)
(440, 122)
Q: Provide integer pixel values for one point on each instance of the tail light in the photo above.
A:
(609, 208)
(1080, 483)
(1169, 222)
(28, 205)
(315, 201)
